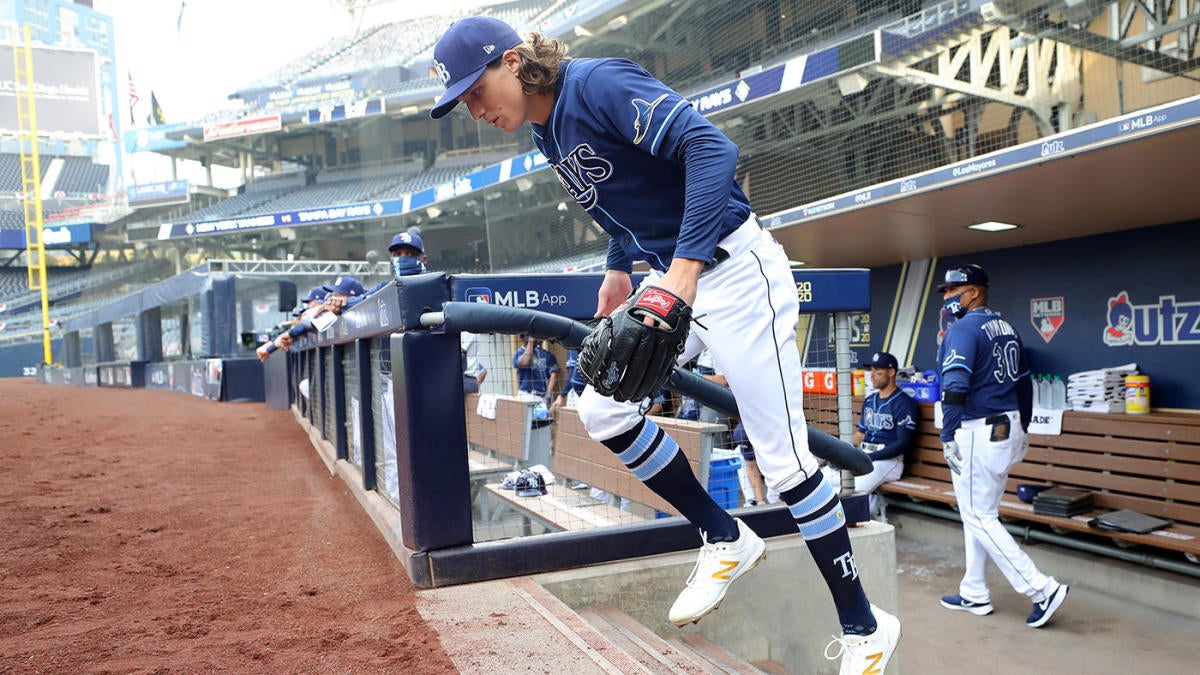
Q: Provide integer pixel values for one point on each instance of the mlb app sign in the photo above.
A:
(525, 298)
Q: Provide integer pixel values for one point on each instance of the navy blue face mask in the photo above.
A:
(404, 265)
(953, 306)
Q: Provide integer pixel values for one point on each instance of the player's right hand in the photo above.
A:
(614, 290)
(953, 456)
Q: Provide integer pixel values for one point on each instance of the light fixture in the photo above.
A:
(433, 212)
(992, 226)
(580, 31)
(796, 263)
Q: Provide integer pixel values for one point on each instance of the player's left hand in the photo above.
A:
(629, 355)
(953, 456)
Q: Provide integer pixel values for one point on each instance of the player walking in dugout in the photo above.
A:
(987, 402)
(659, 179)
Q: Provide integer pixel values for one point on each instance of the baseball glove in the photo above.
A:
(628, 360)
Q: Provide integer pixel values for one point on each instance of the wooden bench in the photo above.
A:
(561, 508)
(1147, 463)
(509, 434)
(577, 456)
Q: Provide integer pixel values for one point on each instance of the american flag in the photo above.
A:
(133, 98)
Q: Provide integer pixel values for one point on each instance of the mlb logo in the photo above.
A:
(1047, 315)
(479, 294)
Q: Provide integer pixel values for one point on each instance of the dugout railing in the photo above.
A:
(381, 397)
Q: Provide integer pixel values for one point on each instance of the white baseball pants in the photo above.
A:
(749, 308)
(883, 471)
(979, 489)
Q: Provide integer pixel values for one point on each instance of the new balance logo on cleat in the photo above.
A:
(719, 565)
(867, 654)
(725, 572)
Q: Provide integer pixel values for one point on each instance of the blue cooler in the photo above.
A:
(930, 390)
(723, 485)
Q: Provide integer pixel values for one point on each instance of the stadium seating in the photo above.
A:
(242, 204)
(10, 172)
(81, 176)
(340, 192)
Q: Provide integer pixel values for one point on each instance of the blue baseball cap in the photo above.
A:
(882, 360)
(346, 286)
(315, 293)
(464, 51)
(963, 275)
(407, 239)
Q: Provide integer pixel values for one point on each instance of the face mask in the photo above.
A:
(405, 265)
(954, 306)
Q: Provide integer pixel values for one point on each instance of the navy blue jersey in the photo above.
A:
(536, 377)
(983, 357)
(889, 422)
(621, 143)
(573, 379)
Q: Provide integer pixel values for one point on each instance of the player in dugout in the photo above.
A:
(886, 428)
(987, 404)
(660, 180)
(407, 252)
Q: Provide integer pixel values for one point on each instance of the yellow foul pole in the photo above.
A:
(31, 181)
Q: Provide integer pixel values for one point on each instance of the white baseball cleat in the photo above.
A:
(718, 566)
(867, 654)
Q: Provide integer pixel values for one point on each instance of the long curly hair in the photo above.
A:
(542, 57)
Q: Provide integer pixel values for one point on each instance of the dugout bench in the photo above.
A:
(576, 457)
(1148, 463)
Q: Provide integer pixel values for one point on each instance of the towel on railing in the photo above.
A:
(486, 408)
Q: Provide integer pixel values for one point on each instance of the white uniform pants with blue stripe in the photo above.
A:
(749, 306)
(979, 489)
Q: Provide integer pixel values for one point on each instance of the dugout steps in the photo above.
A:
(518, 618)
(685, 653)
(612, 618)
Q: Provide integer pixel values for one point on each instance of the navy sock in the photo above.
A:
(818, 513)
(655, 459)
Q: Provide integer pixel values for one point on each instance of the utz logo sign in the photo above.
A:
(1047, 316)
(1167, 322)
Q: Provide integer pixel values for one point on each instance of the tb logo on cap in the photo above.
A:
(442, 73)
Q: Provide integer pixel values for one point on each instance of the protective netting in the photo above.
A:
(826, 97)
(823, 98)
(509, 432)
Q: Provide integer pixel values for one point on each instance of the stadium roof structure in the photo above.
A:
(1066, 182)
